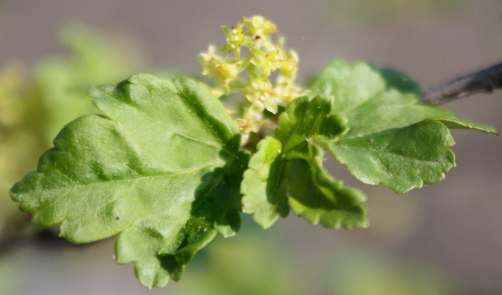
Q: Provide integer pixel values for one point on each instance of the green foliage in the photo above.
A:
(256, 198)
(161, 164)
(296, 177)
(393, 139)
(374, 100)
(126, 171)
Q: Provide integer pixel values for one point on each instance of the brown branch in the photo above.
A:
(483, 81)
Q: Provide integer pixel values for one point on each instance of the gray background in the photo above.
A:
(455, 226)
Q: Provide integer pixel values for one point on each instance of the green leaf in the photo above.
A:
(393, 139)
(287, 172)
(254, 186)
(160, 166)
(401, 159)
(316, 196)
(374, 100)
(308, 117)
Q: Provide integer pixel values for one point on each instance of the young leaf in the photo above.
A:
(316, 196)
(256, 200)
(393, 139)
(160, 166)
(287, 172)
(308, 117)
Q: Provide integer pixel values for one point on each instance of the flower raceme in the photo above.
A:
(246, 64)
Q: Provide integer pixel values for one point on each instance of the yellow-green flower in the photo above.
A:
(250, 74)
(259, 26)
(289, 65)
(235, 39)
(218, 67)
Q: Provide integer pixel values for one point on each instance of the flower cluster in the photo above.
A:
(246, 63)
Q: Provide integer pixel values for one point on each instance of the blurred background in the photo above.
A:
(444, 239)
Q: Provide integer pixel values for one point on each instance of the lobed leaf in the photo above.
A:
(393, 138)
(159, 166)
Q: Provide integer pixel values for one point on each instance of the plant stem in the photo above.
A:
(485, 80)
